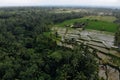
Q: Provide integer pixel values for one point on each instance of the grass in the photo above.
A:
(101, 18)
(99, 24)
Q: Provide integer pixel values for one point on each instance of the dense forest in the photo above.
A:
(28, 49)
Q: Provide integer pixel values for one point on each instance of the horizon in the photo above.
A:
(64, 6)
(65, 3)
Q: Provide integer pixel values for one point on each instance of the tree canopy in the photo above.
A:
(28, 51)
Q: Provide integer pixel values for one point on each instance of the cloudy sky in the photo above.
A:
(108, 3)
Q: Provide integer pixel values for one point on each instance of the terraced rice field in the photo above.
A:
(102, 23)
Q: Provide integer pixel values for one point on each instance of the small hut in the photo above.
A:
(79, 25)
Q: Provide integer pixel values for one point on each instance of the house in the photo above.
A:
(79, 25)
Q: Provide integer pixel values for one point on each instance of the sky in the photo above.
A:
(106, 3)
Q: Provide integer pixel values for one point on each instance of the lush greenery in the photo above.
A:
(117, 38)
(96, 24)
(101, 18)
(28, 50)
(117, 34)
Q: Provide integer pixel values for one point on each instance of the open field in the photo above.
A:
(96, 23)
(101, 18)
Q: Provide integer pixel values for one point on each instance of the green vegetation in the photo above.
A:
(117, 38)
(28, 49)
(92, 24)
(101, 18)
(117, 34)
(101, 25)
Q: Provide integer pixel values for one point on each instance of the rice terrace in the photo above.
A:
(94, 22)
(97, 32)
(59, 40)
